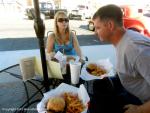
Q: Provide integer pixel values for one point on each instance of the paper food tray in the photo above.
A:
(105, 63)
(81, 91)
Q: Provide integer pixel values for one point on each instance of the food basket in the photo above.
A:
(64, 88)
(105, 63)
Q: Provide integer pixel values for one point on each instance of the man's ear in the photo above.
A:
(111, 25)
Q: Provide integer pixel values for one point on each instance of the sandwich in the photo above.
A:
(96, 70)
(91, 67)
(55, 105)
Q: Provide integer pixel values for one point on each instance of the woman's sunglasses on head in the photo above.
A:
(63, 19)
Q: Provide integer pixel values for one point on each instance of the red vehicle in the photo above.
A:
(132, 19)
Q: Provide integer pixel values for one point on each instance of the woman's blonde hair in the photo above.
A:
(56, 30)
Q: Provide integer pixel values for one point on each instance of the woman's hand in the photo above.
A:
(82, 61)
(130, 108)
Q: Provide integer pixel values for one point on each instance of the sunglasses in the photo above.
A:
(63, 19)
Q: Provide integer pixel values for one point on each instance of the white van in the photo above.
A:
(80, 12)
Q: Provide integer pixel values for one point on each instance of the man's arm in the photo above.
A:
(142, 64)
(145, 108)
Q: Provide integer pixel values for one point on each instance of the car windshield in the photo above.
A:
(45, 5)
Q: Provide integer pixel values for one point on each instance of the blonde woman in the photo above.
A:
(62, 39)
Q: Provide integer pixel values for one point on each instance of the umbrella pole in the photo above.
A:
(39, 28)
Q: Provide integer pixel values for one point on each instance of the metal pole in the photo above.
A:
(39, 28)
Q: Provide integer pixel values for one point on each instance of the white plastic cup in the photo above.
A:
(75, 68)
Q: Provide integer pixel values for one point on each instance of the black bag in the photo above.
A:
(102, 96)
(108, 96)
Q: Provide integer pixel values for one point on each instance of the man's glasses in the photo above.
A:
(63, 19)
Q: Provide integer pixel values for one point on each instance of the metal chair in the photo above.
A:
(48, 32)
(29, 101)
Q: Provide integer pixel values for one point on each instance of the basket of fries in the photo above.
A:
(97, 70)
(65, 99)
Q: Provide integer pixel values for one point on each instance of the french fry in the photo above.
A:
(74, 104)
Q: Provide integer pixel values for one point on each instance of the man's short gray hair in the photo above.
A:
(111, 12)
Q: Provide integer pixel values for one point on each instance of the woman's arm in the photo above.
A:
(50, 44)
(77, 46)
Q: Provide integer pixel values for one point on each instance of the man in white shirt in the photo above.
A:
(133, 55)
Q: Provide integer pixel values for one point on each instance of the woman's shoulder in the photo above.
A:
(73, 33)
(51, 35)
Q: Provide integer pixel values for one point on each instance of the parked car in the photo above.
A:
(47, 10)
(132, 19)
(81, 12)
(74, 14)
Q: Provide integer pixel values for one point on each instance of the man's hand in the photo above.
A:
(130, 108)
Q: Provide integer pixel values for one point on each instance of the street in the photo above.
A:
(17, 28)
(18, 33)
